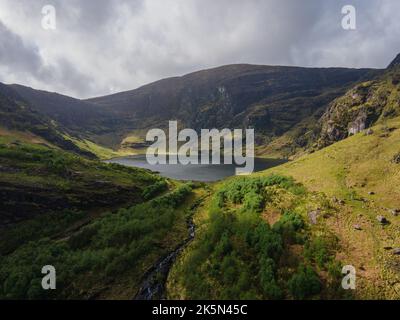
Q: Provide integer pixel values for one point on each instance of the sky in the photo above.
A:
(101, 47)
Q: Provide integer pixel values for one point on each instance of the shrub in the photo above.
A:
(154, 190)
(320, 250)
(304, 283)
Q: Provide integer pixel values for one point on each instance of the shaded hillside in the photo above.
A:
(37, 179)
(76, 115)
(17, 114)
(270, 99)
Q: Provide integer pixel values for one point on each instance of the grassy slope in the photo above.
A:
(101, 152)
(38, 180)
(105, 259)
(52, 203)
(236, 255)
(350, 170)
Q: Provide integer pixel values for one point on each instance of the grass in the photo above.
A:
(100, 151)
(351, 170)
(350, 182)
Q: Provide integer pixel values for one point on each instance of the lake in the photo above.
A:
(194, 172)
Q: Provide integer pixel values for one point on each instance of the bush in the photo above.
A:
(304, 283)
(320, 250)
(154, 190)
(289, 225)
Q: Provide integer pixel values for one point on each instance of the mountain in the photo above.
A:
(272, 99)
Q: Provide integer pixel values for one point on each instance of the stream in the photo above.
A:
(154, 280)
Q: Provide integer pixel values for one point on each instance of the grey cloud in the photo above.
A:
(104, 46)
(23, 60)
(16, 55)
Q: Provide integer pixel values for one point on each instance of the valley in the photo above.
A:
(115, 231)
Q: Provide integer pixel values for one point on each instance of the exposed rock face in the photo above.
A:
(358, 125)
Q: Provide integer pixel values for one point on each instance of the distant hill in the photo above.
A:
(271, 99)
(74, 114)
(17, 113)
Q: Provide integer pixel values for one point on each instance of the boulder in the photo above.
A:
(371, 193)
(313, 215)
(396, 158)
(395, 212)
(396, 251)
(382, 219)
(369, 132)
(357, 227)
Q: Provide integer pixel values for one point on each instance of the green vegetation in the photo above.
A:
(239, 255)
(37, 179)
(358, 176)
(267, 236)
(99, 259)
(304, 282)
(154, 189)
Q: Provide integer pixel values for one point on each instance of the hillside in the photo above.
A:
(362, 106)
(101, 225)
(330, 218)
(73, 114)
(18, 116)
(270, 99)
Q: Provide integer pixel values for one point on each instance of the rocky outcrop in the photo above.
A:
(362, 106)
(358, 125)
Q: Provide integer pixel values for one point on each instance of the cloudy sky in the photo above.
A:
(105, 46)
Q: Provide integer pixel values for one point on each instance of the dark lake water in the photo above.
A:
(194, 172)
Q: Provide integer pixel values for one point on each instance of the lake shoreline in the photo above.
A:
(193, 172)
